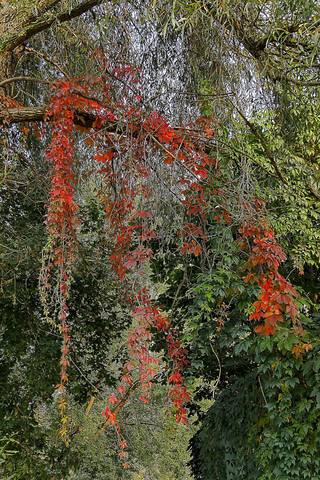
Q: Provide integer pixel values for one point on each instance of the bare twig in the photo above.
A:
(47, 59)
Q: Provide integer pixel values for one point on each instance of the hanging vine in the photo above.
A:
(129, 135)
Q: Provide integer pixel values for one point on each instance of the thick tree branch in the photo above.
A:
(82, 118)
(13, 40)
(37, 114)
(23, 114)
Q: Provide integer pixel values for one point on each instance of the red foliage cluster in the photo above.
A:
(125, 175)
(130, 227)
(179, 145)
(192, 234)
(132, 233)
(62, 209)
(277, 295)
(61, 220)
(130, 252)
(177, 391)
(183, 146)
(141, 370)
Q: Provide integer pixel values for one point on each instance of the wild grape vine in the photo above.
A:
(125, 129)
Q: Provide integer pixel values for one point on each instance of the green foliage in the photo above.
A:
(290, 440)
(223, 447)
(293, 200)
(157, 446)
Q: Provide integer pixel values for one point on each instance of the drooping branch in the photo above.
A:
(268, 152)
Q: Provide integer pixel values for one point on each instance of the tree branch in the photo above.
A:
(13, 40)
(47, 59)
(265, 146)
(300, 83)
(257, 44)
(38, 114)
(23, 114)
(22, 78)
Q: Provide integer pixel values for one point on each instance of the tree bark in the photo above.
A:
(38, 114)
(7, 22)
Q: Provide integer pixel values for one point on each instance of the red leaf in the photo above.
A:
(143, 214)
(104, 157)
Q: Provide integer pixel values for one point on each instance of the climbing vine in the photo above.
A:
(276, 300)
(124, 185)
(125, 136)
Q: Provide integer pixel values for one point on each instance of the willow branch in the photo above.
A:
(264, 144)
(301, 83)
